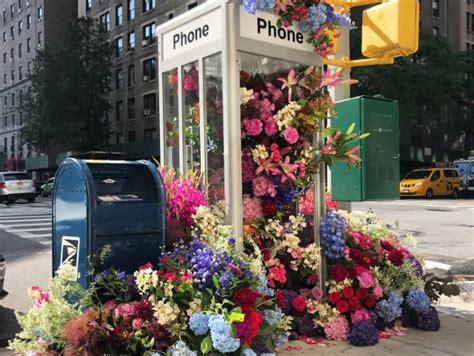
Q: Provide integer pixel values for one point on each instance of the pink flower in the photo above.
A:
(337, 329)
(252, 209)
(263, 186)
(271, 127)
(317, 293)
(366, 280)
(248, 166)
(137, 323)
(191, 80)
(377, 292)
(360, 315)
(253, 127)
(291, 135)
(306, 203)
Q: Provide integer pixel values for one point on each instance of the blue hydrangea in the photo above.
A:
(317, 17)
(263, 288)
(180, 349)
(220, 335)
(389, 309)
(268, 354)
(342, 20)
(265, 4)
(418, 300)
(280, 340)
(332, 228)
(198, 323)
(272, 317)
(248, 352)
(250, 6)
(218, 325)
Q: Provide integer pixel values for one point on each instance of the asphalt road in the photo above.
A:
(443, 228)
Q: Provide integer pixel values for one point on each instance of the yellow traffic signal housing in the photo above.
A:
(391, 29)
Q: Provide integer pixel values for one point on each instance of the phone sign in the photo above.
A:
(70, 251)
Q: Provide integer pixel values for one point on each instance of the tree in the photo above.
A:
(432, 86)
(71, 77)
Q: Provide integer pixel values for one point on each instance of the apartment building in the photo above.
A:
(134, 97)
(26, 25)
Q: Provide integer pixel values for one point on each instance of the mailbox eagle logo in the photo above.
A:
(70, 251)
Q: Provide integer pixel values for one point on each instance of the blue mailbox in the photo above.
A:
(99, 205)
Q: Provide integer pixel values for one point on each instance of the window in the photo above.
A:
(4, 17)
(40, 14)
(149, 104)
(436, 175)
(12, 10)
(13, 99)
(5, 79)
(435, 31)
(88, 5)
(20, 72)
(4, 58)
(468, 46)
(5, 101)
(149, 134)
(119, 110)
(12, 54)
(104, 20)
(148, 5)
(19, 4)
(149, 69)
(472, 22)
(28, 22)
(118, 46)
(118, 78)
(4, 37)
(170, 15)
(131, 75)
(435, 5)
(5, 123)
(468, 21)
(13, 137)
(131, 41)
(28, 66)
(131, 108)
(28, 45)
(119, 15)
(131, 10)
(20, 52)
(192, 5)
(20, 27)
(119, 138)
(12, 32)
(131, 136)
(149, 32)
(39, 38)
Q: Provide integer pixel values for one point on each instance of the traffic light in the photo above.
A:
(391, 29)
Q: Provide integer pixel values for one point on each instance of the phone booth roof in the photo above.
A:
(223, 27)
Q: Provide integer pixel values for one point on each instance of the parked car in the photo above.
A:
(38, 185)
(3, 267)
(16, 185)
(47, 188)
(431, 182)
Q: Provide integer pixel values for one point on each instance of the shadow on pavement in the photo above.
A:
(8, 325)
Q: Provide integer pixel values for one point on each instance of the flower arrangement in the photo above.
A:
(316, 18)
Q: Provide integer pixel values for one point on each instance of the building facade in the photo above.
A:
(26, 25)
(134, 97)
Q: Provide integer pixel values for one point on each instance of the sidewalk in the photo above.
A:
(456, 337)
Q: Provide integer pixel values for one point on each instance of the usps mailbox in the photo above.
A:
(116, 207)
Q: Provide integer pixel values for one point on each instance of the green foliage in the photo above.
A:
(399, 279)
(67, 104)
(433, 86)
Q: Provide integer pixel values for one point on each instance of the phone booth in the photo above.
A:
(201, 54)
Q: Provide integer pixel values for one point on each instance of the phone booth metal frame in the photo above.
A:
(223, 27)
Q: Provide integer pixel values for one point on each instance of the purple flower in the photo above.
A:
(364, 334)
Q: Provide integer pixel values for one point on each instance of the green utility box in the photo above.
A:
(378, 177)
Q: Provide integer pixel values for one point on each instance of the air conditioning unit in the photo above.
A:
(145, 43)
(146, 78)
(146, 112)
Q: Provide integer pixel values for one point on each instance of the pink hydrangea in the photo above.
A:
(337, 329)
(366, 280)
(248, 168)
(266, 108)
(271, 127)
(252, 209)
(263, 186)
(377, 292)
(360, 315)
(253, 127)
(291, 135)
(317, 294)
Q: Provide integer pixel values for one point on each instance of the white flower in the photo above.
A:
(166, 312)
(285, 116)
(259, 153)
(245, 95)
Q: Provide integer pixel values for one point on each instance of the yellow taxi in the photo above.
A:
(431, 182)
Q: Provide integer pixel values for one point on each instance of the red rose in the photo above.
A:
(355, 254)
(245, 297)
(370, 302)
(269, 208)
(342, 306)
(280, 298)
(165, 259)
(361, 293)
(396, 257)
(386, 245)
(348, 292)
(312, 279)
(354, 303)
(334, 298)
(144, 267)
(267, 254)
(250, 327)
(338, 273)
(299, 304)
